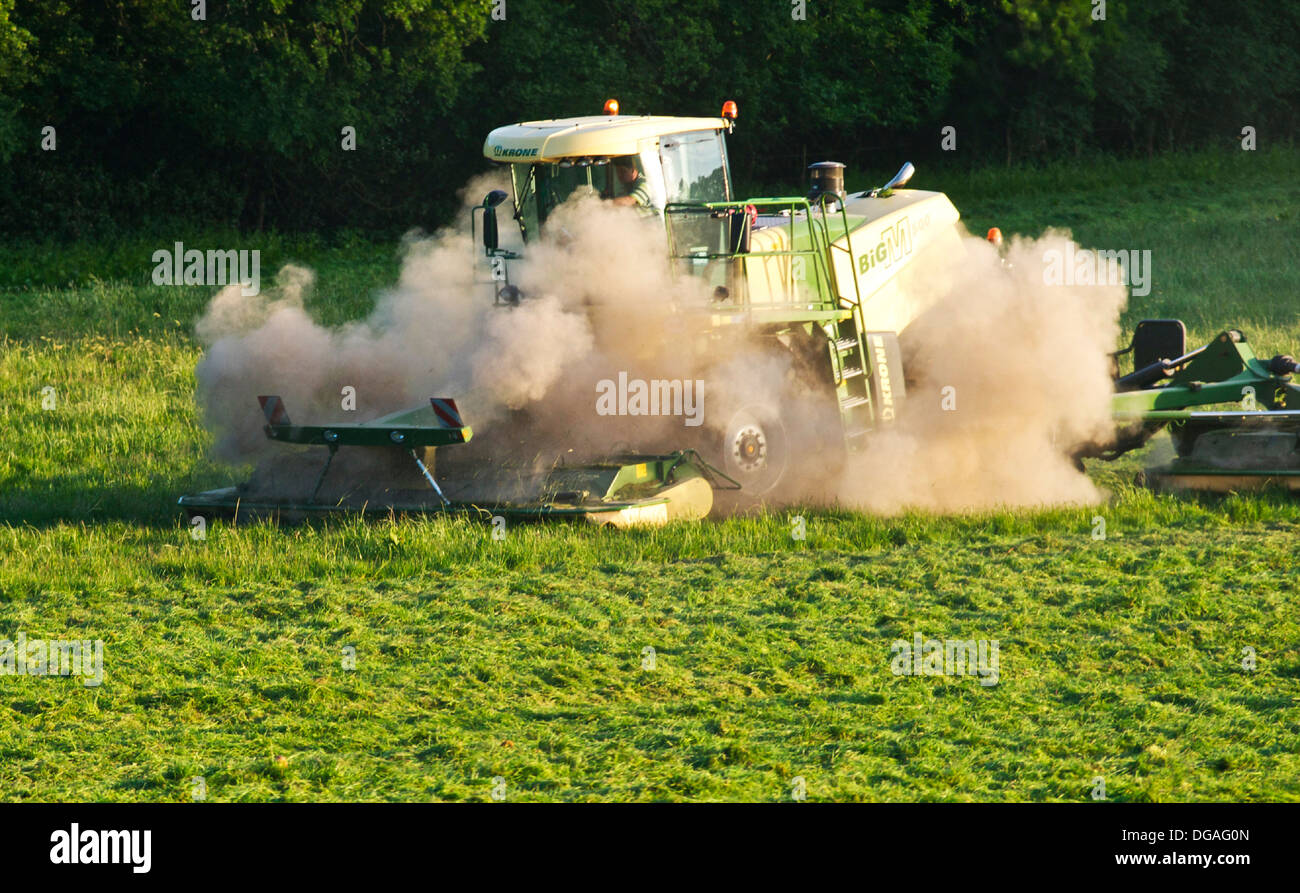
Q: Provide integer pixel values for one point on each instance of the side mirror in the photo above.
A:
(490, 202)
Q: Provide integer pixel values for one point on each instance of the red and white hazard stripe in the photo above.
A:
(273, 409)
(445, 409)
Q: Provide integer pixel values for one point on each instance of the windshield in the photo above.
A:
(695, 166)
(541, 188)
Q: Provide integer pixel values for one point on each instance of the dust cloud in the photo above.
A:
(1027, 362)
(1006, 374)
(599, 300)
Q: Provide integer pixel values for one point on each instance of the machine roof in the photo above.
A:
(603, 135)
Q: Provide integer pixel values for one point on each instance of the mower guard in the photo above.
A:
(1217, 450)
(622, 491)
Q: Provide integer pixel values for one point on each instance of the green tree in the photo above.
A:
(15, 69)
(828, 81)
(243, 112)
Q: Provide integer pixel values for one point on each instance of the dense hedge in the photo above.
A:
(236, 119)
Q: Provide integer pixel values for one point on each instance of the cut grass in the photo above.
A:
(523, 658)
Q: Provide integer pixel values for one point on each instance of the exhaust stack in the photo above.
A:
(826, 179)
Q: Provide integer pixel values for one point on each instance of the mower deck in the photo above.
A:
(1218, 450)
(626, 492)
(1226, 451)
(1169, 480)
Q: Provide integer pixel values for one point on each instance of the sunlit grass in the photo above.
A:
(523, 658)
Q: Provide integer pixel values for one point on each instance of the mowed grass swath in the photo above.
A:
(525, 659)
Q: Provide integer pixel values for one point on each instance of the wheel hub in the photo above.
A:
(749, 448)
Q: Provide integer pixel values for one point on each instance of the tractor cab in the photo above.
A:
(651, 161)
(768, 261)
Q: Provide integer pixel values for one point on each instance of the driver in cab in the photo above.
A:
(636, 189)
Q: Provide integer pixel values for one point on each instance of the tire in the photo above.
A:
(755, 448)
(782, 443)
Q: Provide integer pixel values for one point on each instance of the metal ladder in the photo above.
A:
(852, 379)
(849, 355)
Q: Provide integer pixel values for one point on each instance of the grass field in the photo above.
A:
(521, 666)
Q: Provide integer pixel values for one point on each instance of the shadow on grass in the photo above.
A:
(72, 497)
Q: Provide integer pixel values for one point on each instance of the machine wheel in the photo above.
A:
(756, 448)
(781, 442)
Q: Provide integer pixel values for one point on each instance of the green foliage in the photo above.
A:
(15, 62)
(848, 68)
(237, 121)
(237, 118)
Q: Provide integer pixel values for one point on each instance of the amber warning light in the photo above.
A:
(611, 106)
(729, 109)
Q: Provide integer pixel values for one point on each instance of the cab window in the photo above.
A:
(695, 166)
(541, 188)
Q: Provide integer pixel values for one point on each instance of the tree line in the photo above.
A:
(309, 114)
